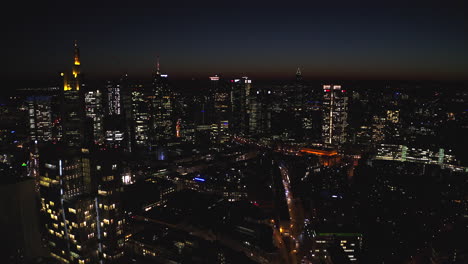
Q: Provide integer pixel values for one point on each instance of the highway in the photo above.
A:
(296, 216)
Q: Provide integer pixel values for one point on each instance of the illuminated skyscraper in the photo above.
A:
(141, 116)
(126, 95)
(221, 98)
(163, 127)
(73, 110)
(40, 118)
(113, 99)
(108, 171)
(240, 91)
(69, 210)
(114, 121)
(335, 114)
(259, 111)
(95, 111)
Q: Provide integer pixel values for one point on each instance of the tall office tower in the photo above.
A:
(56, 115)
(298, 75)
(113, 99)
(126, 108)
(73, 110)
(108, 171)
(40, 118)
(260, 112)
(294, 94)
(221, 98)
(114, 123)
(161, 108)
(69, 210)
(95, 111)
(141, 117)
(240, 91)
(335, 114)
(219, 109)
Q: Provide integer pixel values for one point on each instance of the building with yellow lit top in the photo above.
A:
(72, 109)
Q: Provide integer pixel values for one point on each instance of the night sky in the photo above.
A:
(264, 40)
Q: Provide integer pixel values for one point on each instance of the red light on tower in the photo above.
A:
(343, 91)
(327, 90)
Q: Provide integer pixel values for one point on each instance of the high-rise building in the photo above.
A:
(107, 169)
(298, 75)
(95, 111)
(40, 118)
(162, 102)
(68, 207)
(114, 123)
(126, 95)
(335, 114)
(260, 112)
(113, 99)
(221, 100)
(141, 116)
(240, 91)
(73, 110)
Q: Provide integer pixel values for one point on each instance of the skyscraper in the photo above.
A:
(141, 116)
(95, 111)
(70, 218)
(126, 95)
(260, 111)
(114, 121)
(73, 111)
(298, 75)
(335, 114)
(240, 91)
(161, 108)
(40, 118)
(107, 169)
(113, 99)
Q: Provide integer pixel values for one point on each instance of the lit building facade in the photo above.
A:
(114, 122)
(240, 91)
(95, 111)
(402, 153)
(113, 99)
(40, 118)
(108, 171)
(73, 110)
(335, 114)
(69, 210)
(348, 243)
(141, 116)
(162, 102)
(259, 112)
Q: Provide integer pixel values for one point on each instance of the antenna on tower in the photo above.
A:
(157, 65)
(298, 72)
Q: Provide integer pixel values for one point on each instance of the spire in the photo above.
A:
(76, 83)
(77, 54)
(157, 66)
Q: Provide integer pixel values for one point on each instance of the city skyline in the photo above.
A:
(234, 132)
(260, 41)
